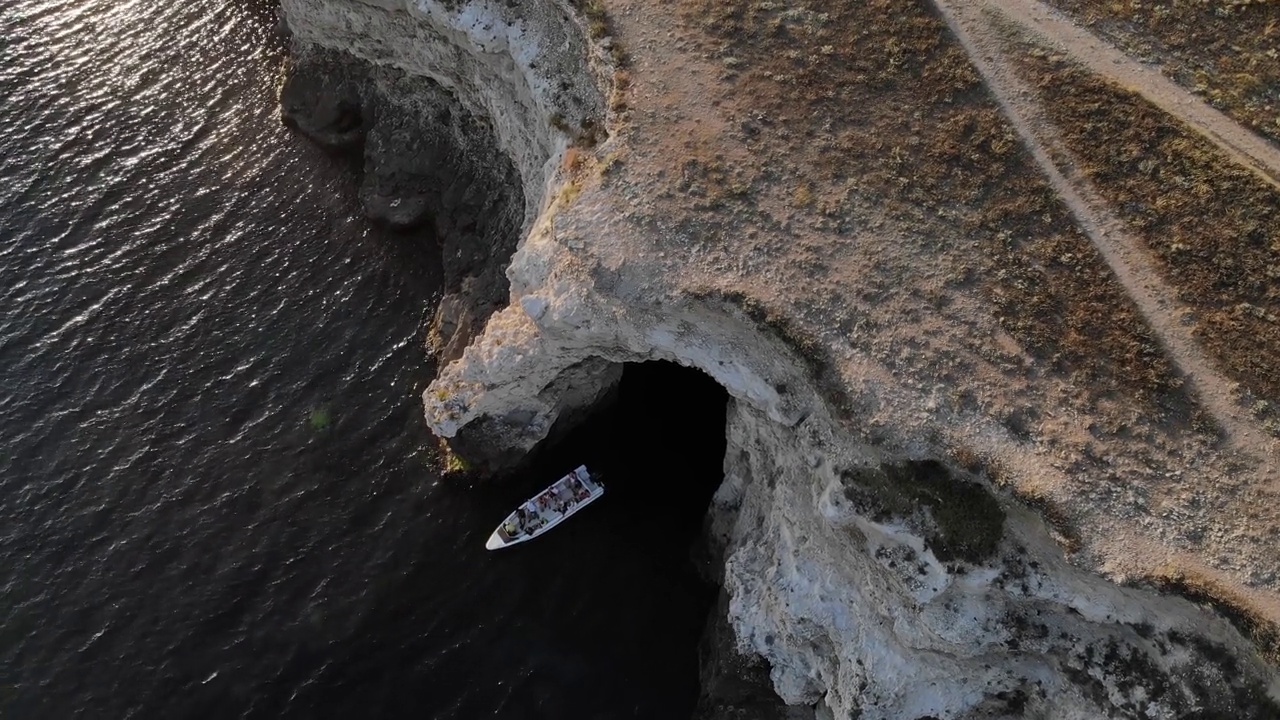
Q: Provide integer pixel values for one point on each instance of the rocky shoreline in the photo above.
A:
(867, 569)
(428, 167)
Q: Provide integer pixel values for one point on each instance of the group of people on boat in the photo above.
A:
(547, 508)
(531, 516)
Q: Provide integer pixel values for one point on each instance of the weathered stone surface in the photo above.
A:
(853, 581)
(511, 66)
(736, 686)
(429, 169)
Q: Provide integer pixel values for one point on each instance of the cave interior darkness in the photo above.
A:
(659, 440)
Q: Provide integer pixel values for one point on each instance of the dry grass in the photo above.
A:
(599, 26)
(569, 192)
(928, 145)
(713, 183)
(1213, 225)
(1225, 50)
(618, 97)
(573, 160)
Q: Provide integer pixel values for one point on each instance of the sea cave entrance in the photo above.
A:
(624, 569)
(659, 439)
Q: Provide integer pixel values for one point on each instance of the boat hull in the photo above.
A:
(547, 509)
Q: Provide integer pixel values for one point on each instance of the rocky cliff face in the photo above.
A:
(457, 116)
(868, 568)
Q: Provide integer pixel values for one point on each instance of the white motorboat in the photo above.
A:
(547, 509)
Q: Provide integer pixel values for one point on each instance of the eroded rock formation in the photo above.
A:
(868, 566)
(451, 116)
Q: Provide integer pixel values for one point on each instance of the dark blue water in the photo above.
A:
(218, 496)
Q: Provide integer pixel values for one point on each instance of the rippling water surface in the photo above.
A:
(217, 499)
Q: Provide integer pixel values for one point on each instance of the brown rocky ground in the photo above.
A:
(897, 205)
(922, 175)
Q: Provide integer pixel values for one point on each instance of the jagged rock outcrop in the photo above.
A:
(428, 167)
(736, 685)
(458, 121)
(517, 68)
(878, 557)
(861, 609)
(858, 607)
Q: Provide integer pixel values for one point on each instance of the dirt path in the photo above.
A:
(1129, 259)
(1241, 144)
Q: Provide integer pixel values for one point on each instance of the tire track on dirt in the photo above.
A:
(1133, 265)
(1242, 145)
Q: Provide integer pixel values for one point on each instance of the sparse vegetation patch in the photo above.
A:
(600, 28)
(1214, 226)
(966, 522)
(320, 418)
(929, 148)
(1226, 50)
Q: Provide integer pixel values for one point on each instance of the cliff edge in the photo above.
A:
(996, 447)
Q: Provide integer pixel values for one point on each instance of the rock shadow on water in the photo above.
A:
(436, 176)
(600, 618)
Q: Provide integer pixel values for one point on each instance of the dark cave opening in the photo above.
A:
(659, 440)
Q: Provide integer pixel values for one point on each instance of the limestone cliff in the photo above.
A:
(945, 496)
(459, 117)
